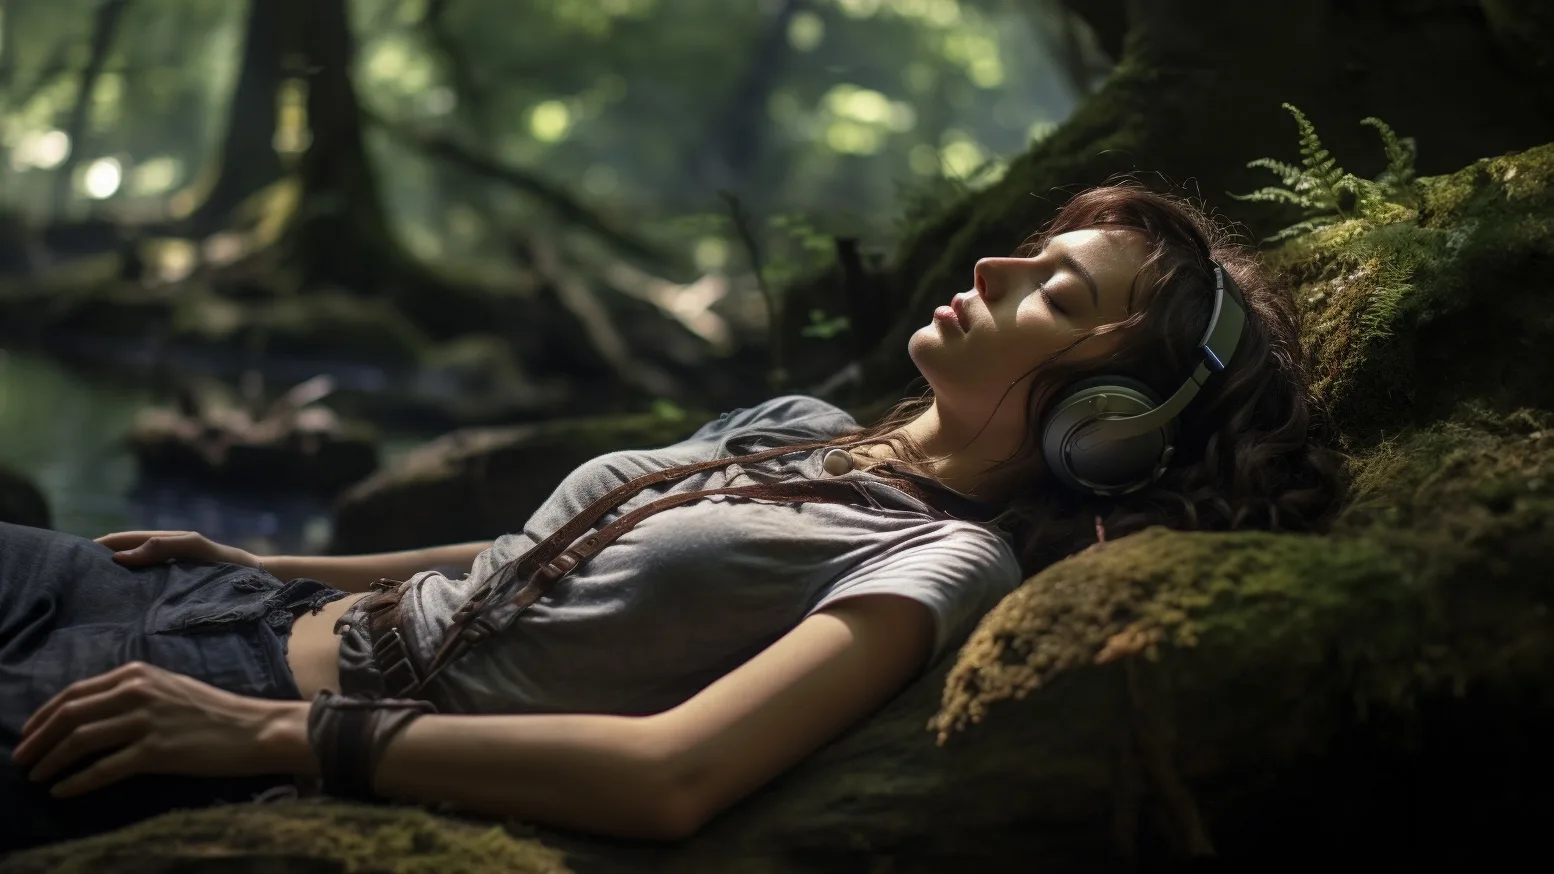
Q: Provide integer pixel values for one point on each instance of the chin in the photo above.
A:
(922, 341)
(921, 350)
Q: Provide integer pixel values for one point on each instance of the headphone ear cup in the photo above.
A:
(1081, 458)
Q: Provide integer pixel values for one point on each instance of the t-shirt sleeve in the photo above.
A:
(958, 573)
(792, 417)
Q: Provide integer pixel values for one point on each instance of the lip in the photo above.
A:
(948, 315)
(958, 304)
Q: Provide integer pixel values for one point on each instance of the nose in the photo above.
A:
(992, 276)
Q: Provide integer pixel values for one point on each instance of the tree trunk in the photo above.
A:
(104, 26)
(7, 47)
(341, 235)
(248, 161)
(1197, 95)
(737, 134)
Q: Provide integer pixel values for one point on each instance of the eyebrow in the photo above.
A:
(1068, 261)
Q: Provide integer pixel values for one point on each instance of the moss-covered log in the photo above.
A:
(1412, 312)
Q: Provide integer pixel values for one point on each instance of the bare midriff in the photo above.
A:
(313, 652)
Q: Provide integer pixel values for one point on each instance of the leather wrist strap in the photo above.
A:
(348, 735)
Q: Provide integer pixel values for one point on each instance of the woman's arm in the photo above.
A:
(660, 776)
(354, 573)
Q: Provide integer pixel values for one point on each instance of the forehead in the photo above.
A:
(1120, 247)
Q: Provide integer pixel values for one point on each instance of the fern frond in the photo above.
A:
(1401, 153)
(1325, 177)
(1304, 227)
(1274, 194)
(1327, 192)
(1398, 157)
(1289, 174)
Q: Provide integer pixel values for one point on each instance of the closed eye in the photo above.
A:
(1050, 301)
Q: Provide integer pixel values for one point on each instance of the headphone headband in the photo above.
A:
(1217, 347)
(1108, 435)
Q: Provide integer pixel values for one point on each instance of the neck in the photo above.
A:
(963, 459)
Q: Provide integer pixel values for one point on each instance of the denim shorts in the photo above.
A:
(68, 612)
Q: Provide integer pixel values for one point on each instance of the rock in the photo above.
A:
(1377, 690)
(21, 503)
(485, 482)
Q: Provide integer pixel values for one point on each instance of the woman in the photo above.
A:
(709, 648)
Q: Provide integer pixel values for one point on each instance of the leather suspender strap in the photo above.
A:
(490, 609)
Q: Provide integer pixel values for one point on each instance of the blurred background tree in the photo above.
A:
(639, 108)
(475, 211)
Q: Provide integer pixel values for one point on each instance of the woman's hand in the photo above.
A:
(141, 548)
(151, 721)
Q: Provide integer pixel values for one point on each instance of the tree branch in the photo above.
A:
(471, 97)
(596, 322)
(556, 198)
(777, 375)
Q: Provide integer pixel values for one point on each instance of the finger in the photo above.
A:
(158, 548)
(81, 689)
(83, 740)
(127, 539)
(72, 716)
(109, 769)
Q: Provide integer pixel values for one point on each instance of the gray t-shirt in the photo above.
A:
(692, 592)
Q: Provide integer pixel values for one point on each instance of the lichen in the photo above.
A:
(330, 835)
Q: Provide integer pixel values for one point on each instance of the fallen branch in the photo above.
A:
(586, 307)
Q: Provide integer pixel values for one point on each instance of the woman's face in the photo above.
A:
(1023, 310)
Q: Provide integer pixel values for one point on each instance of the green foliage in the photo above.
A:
(794, 248)
(1325, 190)
(824, 328)
(668, 410)
(1398, 178)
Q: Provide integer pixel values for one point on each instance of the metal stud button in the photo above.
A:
(837, 461)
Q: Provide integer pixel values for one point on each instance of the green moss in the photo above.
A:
(1438, 575)
(1276, 596)
(1409, 314)
(329, 835)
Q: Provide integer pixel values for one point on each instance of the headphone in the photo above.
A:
(1110, 435)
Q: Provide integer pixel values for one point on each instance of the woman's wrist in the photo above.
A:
(283, 739)
(275, 566)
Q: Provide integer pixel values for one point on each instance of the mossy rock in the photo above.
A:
(21, 503)
(1305, 676)
(318, 325)
(486, 481)
(1410, 313)
(302, 837)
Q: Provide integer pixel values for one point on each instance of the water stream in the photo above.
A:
(66, 432)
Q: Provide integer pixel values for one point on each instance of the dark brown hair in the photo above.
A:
(1250, 447)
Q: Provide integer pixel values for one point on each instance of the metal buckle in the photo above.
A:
(394, 665)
